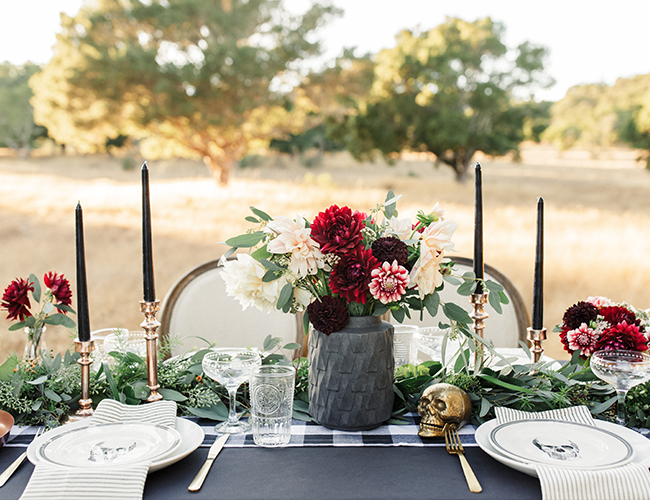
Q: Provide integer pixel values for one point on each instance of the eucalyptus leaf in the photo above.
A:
(270, 265)
(268, 342)
(37, 405)
(467, 288)
(494, 301)
(270, 276)
(455, 313)
(48, 308)
(493, 286)
(432, 302)
(246, 240)
(286, 295)
(50, 394)
(261, 253)
(503, 297)
(452, 280)
(37, 287)
(59, 319)
(63, 307)
(292, 346)
(172, 395)
(398, 314)
(262, 215)
(17, 326)
(601, 407)
(229, 253)
(252, 219)
(485, 407)
(38, 380)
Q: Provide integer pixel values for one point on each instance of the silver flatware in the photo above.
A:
(197, 482)
(4, 477)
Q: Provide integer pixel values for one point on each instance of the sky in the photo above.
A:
(589, 42)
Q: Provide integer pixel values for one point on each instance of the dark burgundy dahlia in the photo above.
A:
(388, 249)
(352, 274)
(328, 314)
(15, 299)
(622, 336)
(577, 314)
(338, 230)
(60, 287)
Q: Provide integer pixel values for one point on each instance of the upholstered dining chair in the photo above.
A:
(505, 329)
(196, 309)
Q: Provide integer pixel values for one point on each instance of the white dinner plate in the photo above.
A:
(639, 444)
(73, 444)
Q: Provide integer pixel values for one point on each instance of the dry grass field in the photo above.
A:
(597, 221)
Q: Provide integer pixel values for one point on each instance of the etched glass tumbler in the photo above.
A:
(271, 390)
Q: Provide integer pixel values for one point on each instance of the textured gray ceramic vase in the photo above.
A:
(351, 375)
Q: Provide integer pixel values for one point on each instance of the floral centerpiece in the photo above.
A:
(600, 324)
(342, 263)
(52, 310)
(345, 269)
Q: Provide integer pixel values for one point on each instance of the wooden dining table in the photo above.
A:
(364, 471)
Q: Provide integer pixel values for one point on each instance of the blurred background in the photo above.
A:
(292, 106)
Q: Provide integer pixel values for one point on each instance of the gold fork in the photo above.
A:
(4, 477)
(455, 447)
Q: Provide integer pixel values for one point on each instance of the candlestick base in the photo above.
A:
(84, 347)
(479, 316)
(536, 337)
(150, 326)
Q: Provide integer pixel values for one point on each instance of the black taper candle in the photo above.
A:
(538, 282)
(147, 250)
(478, 226)
(83, 320)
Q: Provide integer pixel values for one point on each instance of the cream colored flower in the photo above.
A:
(402, 228)
(292, 237)
(301, 297)
(434, 242)
(243, 278)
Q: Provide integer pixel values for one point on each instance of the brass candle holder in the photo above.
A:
(85, 403)
(479, 316)
(536, 337)
(150, 326)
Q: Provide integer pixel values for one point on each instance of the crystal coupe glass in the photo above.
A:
(622, 369)
(231, 367)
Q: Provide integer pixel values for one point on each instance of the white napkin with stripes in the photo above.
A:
(53, 482)
(629, 482)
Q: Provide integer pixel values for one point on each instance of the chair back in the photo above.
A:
(505, 329)
(196, 309)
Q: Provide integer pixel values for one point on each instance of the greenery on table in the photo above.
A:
(46, 393)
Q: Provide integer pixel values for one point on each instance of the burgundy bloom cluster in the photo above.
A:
(328, 314)
(589, 327)
(338, 230)
(15, 299)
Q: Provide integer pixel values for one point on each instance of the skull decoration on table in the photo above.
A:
(443, 406)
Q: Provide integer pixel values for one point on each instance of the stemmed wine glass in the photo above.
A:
(622, 369)
(231, 368)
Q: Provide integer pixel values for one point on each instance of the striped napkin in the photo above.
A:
(120, 482)
(629, 482)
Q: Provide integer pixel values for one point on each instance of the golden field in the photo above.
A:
(596, 231)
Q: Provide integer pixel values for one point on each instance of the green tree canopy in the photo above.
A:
(17, 127)
(448, 91)
(194, 78)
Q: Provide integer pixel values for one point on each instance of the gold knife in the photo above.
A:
(197, 482)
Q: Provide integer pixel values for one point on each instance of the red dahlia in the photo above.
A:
(622, 336)
(338, 230)
(328, 314)
(352, 274)
(617, 314)
(60, 287)
(15, 299)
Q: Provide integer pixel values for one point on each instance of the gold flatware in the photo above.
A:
(4, 477)
(455, 447)
(197, 482)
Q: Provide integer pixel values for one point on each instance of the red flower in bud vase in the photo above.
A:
(15, 299)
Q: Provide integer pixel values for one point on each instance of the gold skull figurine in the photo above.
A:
(441, 406)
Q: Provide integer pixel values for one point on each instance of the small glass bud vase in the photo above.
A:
(35, 343)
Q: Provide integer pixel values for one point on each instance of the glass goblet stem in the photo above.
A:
(232, 415)
(620, 406)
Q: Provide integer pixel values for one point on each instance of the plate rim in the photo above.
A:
(192, 436)
(625, 460)
(40, 449)
(481, 436)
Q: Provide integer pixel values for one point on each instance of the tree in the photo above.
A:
(450, 91)
(17, 128)
(194, 78)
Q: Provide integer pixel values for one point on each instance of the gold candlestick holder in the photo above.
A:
(536, 337)
(85, 403)
(479, 316)
(150, 326)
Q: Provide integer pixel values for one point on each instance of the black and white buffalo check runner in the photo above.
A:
(310, 434)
